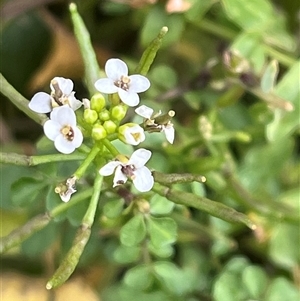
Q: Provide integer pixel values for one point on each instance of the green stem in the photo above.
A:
(17, 236)
(88, 160)
(89, 216)
(92, 71)
(19, 101)
(167, 179)
(211, 207)
(150, 53)
(22, 160)
(110, 147)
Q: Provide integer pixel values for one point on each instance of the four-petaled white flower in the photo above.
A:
(62, 129)
(154, 124)
(133, 168)
(61, 94)
(118, 81)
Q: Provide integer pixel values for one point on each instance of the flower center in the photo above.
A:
(68, 132)
(136, 136)
(128, 170)
(123, 83)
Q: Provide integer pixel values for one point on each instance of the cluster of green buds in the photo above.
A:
(104, 122)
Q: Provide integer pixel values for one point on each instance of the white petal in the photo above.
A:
(63, 145)
(134, 135)
(41, 103)
(170, 133)
(144, 111)
(115, 68)
(119, 177)
(52, 129)
(78, 138)
(138, 83)
(106, 85)
(143, 180)
(74, 102)
(129, 98)
(65, 85)
(109, 168)
(140, 157)
(64, 116)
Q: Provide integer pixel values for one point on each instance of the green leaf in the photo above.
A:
(162, 231)
(25, 190)
(285, 123)
(198, 9)
(124, 254)
(228, 288)
(134, 231)
(77, 212)
(173, 278)
(255, 280)
(161, 251)
(155, 20)
(12, 173)
(160, 205)
(164, 76)
(254, 14)
(284, 245)
(282, 290)
(139, 277)
(113, 208)
(269, 77)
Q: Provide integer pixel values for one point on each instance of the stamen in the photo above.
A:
(68, 132)
(123, 83)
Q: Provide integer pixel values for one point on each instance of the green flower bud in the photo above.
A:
(97, 102)
(118, 112)
(104, 115)
(110, 126)
(90, 116)
(98, 132)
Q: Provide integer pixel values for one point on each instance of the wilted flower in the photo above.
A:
(133, 168)
(118, 81)
(61, 94)
(65, 190)
(62, 129)
(157, 122)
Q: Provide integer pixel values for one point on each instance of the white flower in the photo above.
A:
(61, 94)
(156, 123)
(134, 168)
(118, 81)
(131, 133)
(62, 129)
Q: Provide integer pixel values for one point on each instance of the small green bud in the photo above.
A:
(90, 116)
(98, 132)
(118, 112)
(97, 102)
(110, 126)
(104, 115)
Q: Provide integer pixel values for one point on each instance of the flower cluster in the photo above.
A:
(101, 120)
